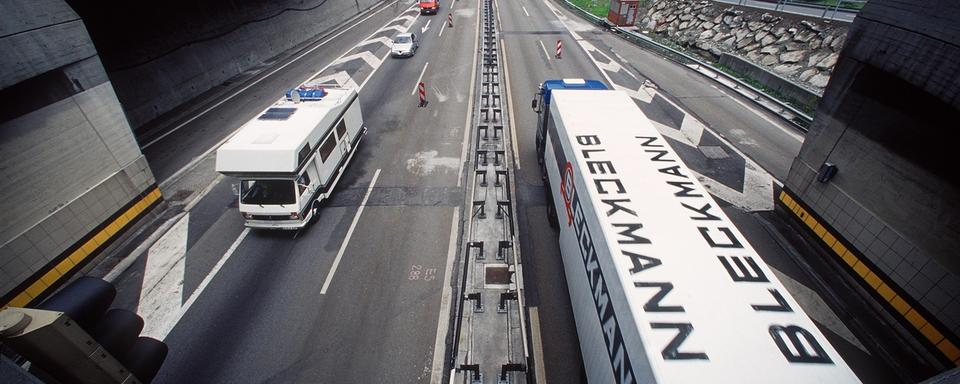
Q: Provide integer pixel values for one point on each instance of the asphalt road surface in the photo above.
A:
(356, 298)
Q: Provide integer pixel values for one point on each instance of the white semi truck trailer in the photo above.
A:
(289, 158)
(663, 286)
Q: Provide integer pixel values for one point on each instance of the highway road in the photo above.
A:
(357, 297)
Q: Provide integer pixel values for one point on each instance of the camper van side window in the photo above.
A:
(302, 182)
(342, 128)
(327, 147)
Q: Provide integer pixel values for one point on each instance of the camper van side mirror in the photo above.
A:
(236, 189)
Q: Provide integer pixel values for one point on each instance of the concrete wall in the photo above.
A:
(161, 54)
(885, 120)
(771, 80)
(69, 164)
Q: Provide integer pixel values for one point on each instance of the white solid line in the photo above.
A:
(763, 116)
(467, 127)
(121, 267)
(525, 11)
(442, 26)
(255, 82)
(539, 371)
(216, 268)
(203, 193)
(414, 92)
(346, 240)
(444, 316)
(513, 124)
(545, 54)
(176, 175)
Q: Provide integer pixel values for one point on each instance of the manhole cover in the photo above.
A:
(497, 275)
(713, 152)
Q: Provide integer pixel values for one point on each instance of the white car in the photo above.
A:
(405, 44)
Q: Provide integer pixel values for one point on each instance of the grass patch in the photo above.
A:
(598, 8)
(810, 110)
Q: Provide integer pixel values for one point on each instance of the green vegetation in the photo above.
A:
(598, 8)
(810, 110)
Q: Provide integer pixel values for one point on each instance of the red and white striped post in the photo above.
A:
(422, 91)
(559, 48)
(450, 19)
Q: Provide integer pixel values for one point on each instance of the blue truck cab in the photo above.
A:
(541, 105)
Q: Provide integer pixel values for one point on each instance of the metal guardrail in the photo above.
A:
(799, 119)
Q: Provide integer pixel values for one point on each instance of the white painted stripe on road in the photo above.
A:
(213, 273)
(467, 127)
(442, 26)
(255, 82)
(176, 175)
(346, 240)
(382, 40)
(372, 60)
(538, 369)
(545, 54)
(513, 124)
(525, 11)
(204, 192)
(419, 78)
(789, 131)
(446, 292)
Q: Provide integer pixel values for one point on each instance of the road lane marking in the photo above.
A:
(442, 26)
(419, 78)
(545, 54)
(467, 127)
(446, 292)
(255, 82)
(204, 192)
(176, 175)
(216, 269)
(525, 11)
(790, 132)
(346, 240)
(513, 125)
(539, 371)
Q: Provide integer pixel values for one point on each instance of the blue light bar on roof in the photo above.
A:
(307, 93)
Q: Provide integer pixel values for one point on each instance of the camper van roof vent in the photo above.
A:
(277, 114)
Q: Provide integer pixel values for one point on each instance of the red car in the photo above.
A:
(429, 6)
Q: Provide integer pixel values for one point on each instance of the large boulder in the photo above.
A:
(787, 69)
(820, 80)
(806, 75)
(829, 61)
(791, 57)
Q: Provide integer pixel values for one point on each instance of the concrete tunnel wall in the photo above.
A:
(892, 211)
(161, 54)
(73, 178)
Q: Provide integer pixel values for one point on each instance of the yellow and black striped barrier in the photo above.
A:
(58, 271)
(936, 336)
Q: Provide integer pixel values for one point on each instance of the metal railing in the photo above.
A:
(841, 10)
(796, 117)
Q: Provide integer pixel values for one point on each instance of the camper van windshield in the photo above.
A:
(267, 192)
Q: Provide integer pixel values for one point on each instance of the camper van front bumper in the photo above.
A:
(291, 225)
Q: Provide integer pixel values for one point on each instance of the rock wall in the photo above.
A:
(800, 48)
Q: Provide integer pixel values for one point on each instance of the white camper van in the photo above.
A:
(289, 158)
